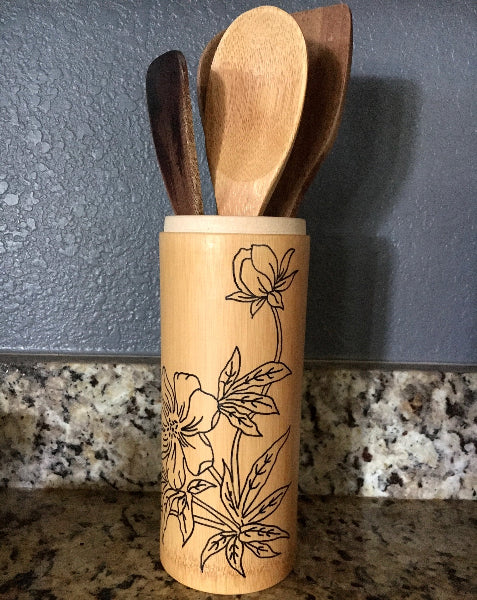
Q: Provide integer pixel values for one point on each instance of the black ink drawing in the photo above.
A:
(189, 414)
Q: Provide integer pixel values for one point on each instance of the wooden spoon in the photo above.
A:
(328, 35)
(170, 114)
(254, 99)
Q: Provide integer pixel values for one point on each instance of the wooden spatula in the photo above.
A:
(254, 99)
(328, 35)
(170, 114)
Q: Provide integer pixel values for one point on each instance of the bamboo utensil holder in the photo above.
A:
(233, 302)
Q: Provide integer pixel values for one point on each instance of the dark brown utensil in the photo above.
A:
(170, 114)
(328, 36)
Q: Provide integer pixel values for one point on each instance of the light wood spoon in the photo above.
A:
(254, 99)
(170, 114)
(328, 35)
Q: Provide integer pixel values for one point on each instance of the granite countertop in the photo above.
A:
(399, 434)
(80, 544)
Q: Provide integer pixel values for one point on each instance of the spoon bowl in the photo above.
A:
(328, 36)
(254, 98)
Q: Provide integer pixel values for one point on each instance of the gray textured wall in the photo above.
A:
(391, 214)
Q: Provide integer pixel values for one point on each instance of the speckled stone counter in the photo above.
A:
(396, 433)
(71, 544)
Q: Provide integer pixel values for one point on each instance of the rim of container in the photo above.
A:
(234, 224)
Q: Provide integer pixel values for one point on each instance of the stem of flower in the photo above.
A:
(279, 348)
(234, 458)
(215, 474)
(278, 325)
(210, 523)
(220, 517)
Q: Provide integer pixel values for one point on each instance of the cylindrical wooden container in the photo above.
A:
(233, 300)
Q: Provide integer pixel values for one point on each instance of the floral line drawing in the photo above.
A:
(240, 512)
(261, 280)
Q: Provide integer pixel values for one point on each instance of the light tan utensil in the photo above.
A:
(328, 35)
(254, 99)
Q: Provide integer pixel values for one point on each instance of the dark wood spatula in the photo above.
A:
(170, 114)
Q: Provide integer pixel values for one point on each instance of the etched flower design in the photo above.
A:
(260, 278)
(247, 514)
(195, 491)
(241, 397)
(179, 503)
(187, 415)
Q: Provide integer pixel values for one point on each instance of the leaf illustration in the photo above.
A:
(239, 297)
(285, 283)
(168, 492)
(260, 472)
(251, 402)
(256, 305)
(229, 373)
(197, 486)
(214, 544)
(234, 554)
(181, 503)
(169, 496)
(186, 522)
(275, 299)
(204, 437)
(259, 532)
(285, 263)
(267, 506)
(172, 499)
(262, 550)
(235, 408)
(244, 423)
(266, 374)
(227, 493)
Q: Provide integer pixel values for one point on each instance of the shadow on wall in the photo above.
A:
(351, 268)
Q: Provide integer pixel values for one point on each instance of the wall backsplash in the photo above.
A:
(390, 214)
(400, 434)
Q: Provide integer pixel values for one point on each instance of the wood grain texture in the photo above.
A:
(231, 406)
(254, 99)
(328, 32)
(328, 36)
(203, 72)
(170, 114)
